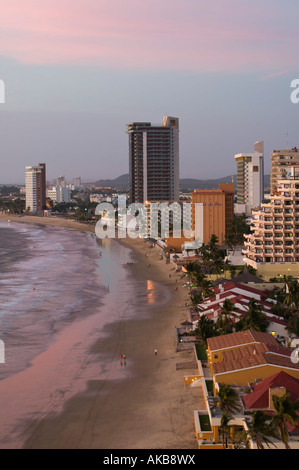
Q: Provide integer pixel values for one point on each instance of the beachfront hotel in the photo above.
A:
(279, 160)
(35, 187)
(273, 245)
(250, 179)
(154, 161)
(217, 212)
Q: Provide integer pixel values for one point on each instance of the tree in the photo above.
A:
(235, 234)
(225, 429)
(195, 300)
(205, 328)
(292, 295)
(293, 324)
(253, 319)
(194, 272)
(225, 319)
(260, 429)
(205, 286)
(229, 401)
(286, 411)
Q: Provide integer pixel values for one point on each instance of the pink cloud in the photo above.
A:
(170, 34)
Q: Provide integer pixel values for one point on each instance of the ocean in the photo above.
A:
(65, 301)
(50, 277)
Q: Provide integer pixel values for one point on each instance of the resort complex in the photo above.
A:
(246, 364)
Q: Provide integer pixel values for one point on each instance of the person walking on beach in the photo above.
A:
(156, 352)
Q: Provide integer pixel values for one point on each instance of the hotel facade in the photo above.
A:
(35, 187)
(280, 159)
(217, 212)
(154, 161)
(273, 245)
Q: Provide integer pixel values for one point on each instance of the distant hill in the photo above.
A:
(186, 184)
(122, 182)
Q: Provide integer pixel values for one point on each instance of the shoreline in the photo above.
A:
(148, 404)
(47, 221)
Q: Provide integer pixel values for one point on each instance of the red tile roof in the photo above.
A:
(240, 338)
(247, 349)
(259, 397)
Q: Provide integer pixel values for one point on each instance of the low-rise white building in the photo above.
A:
(59, 194)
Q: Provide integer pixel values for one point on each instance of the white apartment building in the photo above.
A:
(59, 194)
(250, 179)
(275, 229)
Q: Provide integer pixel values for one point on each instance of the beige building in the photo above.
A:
(279, 160)
(273, 246)
(217, 214)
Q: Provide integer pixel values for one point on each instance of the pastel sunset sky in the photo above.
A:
(75, 72)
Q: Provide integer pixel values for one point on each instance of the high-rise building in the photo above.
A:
(35, 187)
(60, 181)
(279, 160)
(274, 241)
(217, 212)
(77, 182)
(154, 161)
(250, 179)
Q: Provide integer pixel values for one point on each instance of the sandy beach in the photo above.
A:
(140, 404)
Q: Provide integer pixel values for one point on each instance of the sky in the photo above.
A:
(75, 72)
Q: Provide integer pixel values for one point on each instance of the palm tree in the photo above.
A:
(292, 295)
(225, 429)
(293, 324)
(195, 272)
(229, 401)
(195, 300)
(286, 411)
(206, 287)
(253, 318)
(260, 428)
(205, 328)
(225, 319)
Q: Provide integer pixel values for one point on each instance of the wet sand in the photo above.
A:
(140, 404)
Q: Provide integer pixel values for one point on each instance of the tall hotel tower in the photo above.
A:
(35, 184)
(154, 161)
(250, 179)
